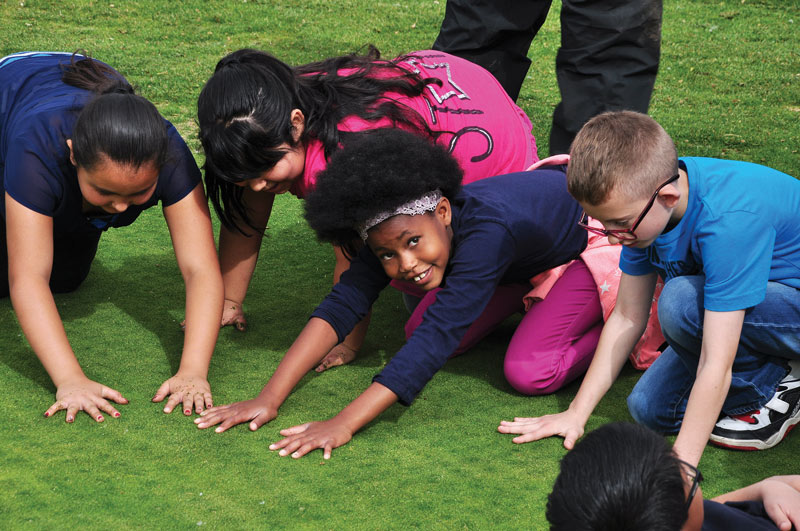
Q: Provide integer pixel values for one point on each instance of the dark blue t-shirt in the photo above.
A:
(734, 516)
(37, 114)
(506, 229)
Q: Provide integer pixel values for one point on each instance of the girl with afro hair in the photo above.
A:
(393, 201)
(268, 128)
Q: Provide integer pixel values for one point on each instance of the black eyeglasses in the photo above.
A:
(694, 474)
(627, 234)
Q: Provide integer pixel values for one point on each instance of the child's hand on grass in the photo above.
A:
(88, 396)
(191, 391)
(302, 439)
(339, 355)
(254, 411)
(566, 424)
(782, 503)
(233, 315)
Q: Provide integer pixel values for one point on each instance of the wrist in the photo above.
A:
(191, 373)
(69, 378)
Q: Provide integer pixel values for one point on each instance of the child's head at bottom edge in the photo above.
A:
(620, 477)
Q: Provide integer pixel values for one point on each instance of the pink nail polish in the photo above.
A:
(116, 414)
(99, 417)
(186, 411)
(46, 413)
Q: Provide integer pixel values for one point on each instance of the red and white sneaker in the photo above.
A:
(765, 427)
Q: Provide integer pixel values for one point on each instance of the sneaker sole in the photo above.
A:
(754, 444)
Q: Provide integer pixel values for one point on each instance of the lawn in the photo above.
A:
(728, 86)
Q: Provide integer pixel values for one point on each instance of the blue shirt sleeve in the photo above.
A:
(480, 260)
(737, 255)
(635, 262)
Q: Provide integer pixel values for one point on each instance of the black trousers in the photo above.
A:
(608, 59)
(72, 258)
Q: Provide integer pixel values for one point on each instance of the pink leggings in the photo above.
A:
(555, 340)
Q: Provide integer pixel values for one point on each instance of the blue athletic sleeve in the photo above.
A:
(351, 298)
(480, 260)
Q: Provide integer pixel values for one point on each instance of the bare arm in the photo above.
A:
(30, 259)
(623, 329)
(316, 340)
(780, 495)
(189, 225)
(238, 255)
(330, 434)
(721, 331)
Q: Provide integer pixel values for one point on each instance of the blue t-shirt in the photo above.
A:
(740, 230)
(733, 516)
(506, 229)
(37, 114)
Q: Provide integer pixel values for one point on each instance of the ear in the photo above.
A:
(71, 154)
(298, 121)
(444, 211)
(670, 195)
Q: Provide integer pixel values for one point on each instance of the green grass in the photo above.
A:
(728, 86)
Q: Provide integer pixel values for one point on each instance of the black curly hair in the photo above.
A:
(376, 171)
(244, 113)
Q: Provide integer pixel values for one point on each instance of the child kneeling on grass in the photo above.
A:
(647, 487)
(724, 235)
(81, 153)
(398, 197)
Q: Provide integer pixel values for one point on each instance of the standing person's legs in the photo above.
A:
(494, 34)
(770, 334)
(506, 301)
(608, 60)
(555, 341)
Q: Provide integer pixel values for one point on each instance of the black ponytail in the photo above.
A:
(116, 123)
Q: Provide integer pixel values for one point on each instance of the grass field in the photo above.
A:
(728, 86)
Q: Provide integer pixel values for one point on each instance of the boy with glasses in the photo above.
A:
(647, 487)
(724, 236)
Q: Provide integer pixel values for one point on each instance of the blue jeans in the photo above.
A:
(770, 335)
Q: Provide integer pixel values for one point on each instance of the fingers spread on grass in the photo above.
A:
(72, 410)
(174, 400)
(106, 406)
(162, 392)
(565, 424)
(55, 408)
(93, 412)
(198, 403)
(113, 394)
(188, 402)
(236, 413)
(302, 439)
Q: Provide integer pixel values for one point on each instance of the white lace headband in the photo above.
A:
(415, 207)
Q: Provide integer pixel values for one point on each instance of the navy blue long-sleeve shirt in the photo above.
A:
(506, 229)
